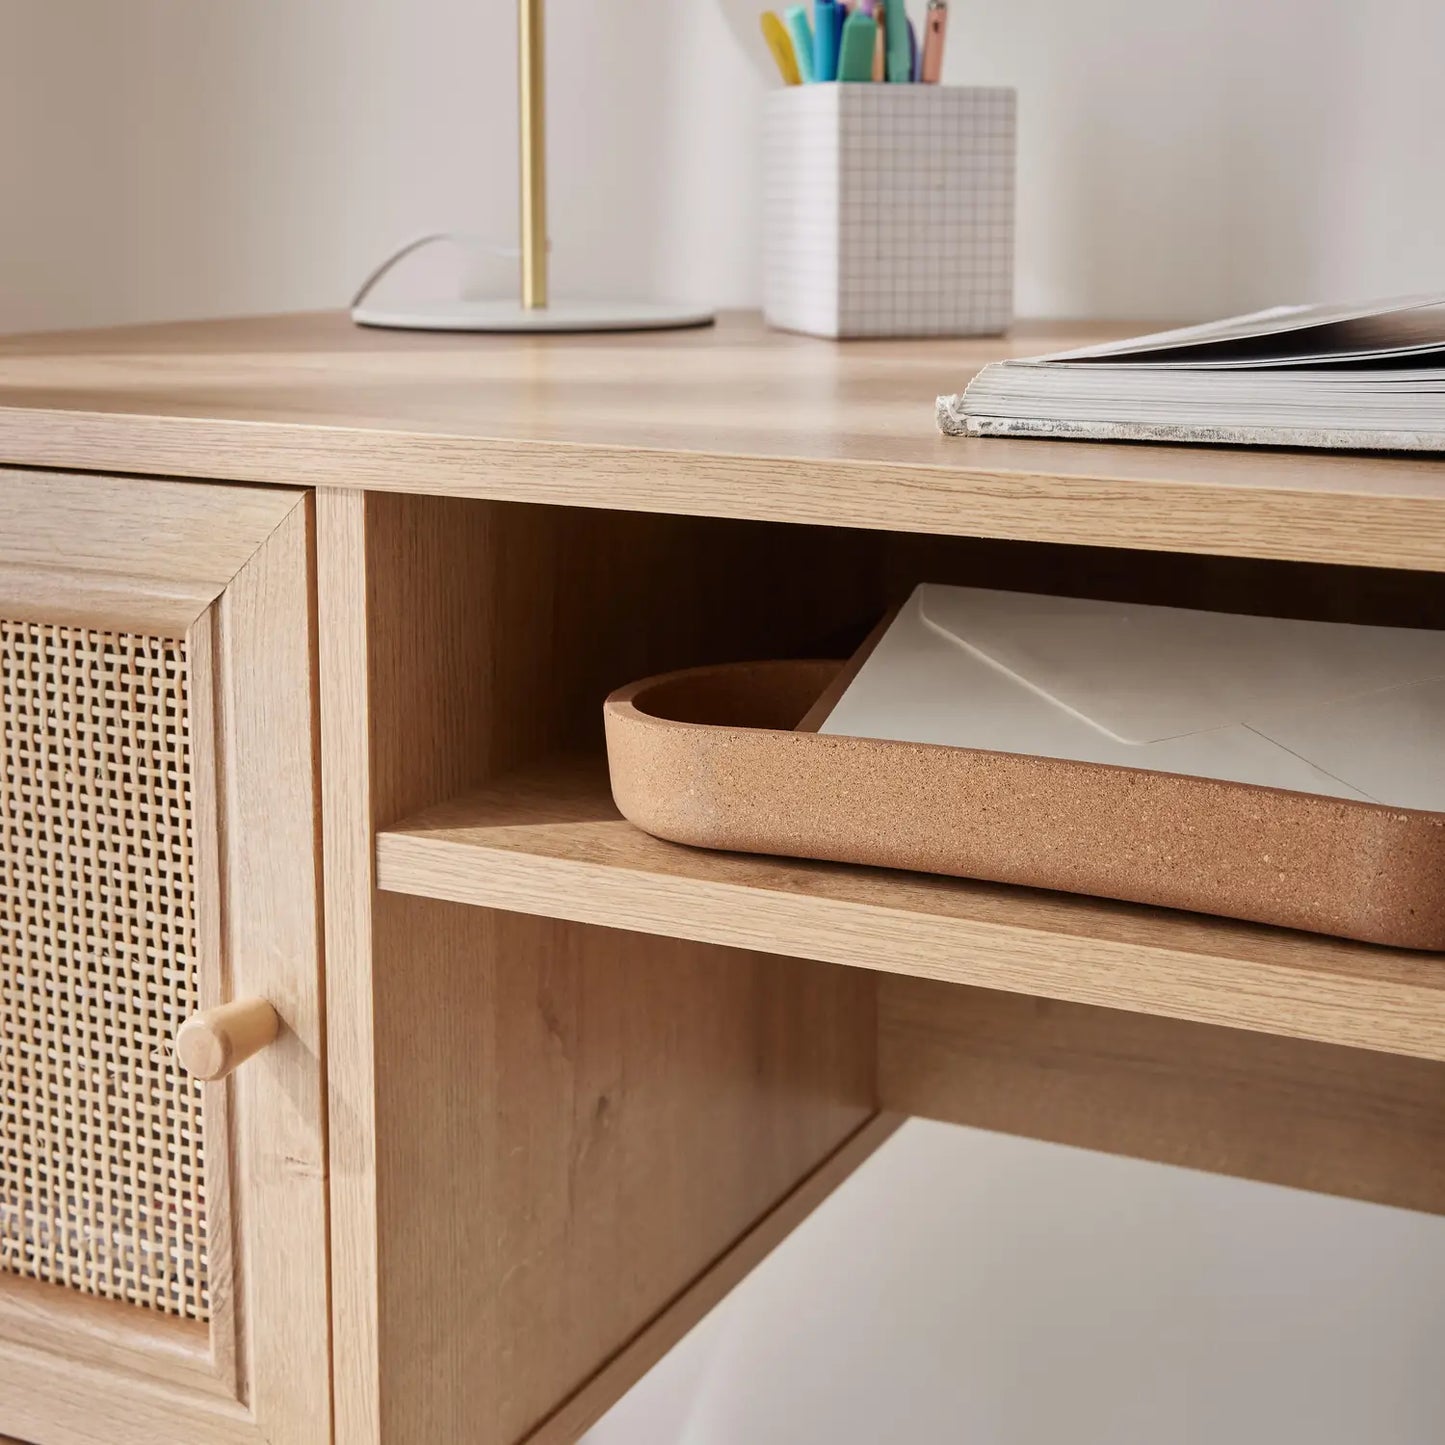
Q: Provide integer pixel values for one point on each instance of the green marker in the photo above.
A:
(900, 52)
(855, 55)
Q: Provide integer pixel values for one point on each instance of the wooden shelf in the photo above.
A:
(728, 421)
(548, 841)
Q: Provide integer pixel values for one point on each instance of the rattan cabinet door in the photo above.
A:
(162, 1241)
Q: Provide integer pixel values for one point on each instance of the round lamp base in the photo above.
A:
(512, 316)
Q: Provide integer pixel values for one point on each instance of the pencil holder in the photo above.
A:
(888, 210)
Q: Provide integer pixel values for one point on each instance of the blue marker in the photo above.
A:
(825, 39)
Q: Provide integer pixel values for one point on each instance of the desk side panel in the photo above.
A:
(544, 1133)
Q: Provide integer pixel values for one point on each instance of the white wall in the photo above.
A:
(165, 158)
(191, 157)
(970, 1289)
(168, 158)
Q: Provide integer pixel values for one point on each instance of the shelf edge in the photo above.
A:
(1388, 1015)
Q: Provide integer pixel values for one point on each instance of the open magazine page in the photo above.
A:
(1404, 328)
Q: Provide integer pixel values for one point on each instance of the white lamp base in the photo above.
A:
(513, 316)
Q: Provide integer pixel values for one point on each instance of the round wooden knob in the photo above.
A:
(211, 1043)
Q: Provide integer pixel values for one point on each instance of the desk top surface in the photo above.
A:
(732, 420)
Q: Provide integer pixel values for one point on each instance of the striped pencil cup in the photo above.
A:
(888, 210)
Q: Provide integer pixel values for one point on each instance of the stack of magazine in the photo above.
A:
(1361, 377)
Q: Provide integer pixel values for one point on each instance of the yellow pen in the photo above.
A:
(781, 44)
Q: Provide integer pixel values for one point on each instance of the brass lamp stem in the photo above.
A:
(532, 98)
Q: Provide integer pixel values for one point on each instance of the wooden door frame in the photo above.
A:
(231, 570)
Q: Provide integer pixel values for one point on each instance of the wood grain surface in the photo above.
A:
(231, 569)
(592, 1401)
(131, 553)
(1312, 1116)
(732, 421)
(543, 1135)
(549, 841)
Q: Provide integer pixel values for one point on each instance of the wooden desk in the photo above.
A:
(579, 1081)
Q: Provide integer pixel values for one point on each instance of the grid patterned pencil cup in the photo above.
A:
(888, 210)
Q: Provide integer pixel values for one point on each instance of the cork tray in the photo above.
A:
(725, 757)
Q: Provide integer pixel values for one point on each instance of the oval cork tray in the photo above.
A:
(714, 757)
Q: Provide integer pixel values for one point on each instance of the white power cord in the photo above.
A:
(456, 238)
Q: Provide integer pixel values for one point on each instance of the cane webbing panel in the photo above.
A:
(100, 1132)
